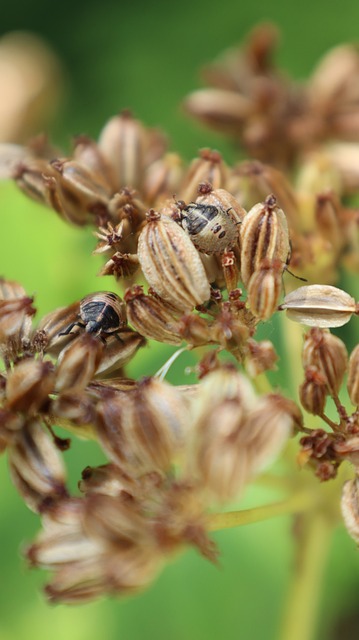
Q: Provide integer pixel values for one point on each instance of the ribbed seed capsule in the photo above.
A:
(319, 305)
(123, 143)
(328, 354)
(264, 289)
(77, 193)
(313, 391)
(36, 466)
(263, 235)
(152, 317)
(171, 264)
(29, 384)
(78, 363)
(209, 167)
(353, 376)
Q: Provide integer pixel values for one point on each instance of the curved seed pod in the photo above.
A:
(77, 193)
(313, 391)
(152, 317)
(353, 376)
(123, 142)
(29, 384)
(171, 264)
(78, 363)
(328, 354)
(265, 288)
(36, 466)
(263, 235)
(209, 167)
(319, 305)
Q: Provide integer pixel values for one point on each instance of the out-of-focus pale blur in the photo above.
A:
(31, 82)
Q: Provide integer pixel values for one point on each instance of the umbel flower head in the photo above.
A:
(199, 254)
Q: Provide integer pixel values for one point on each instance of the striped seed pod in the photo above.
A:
(171, 264)
(263, 234)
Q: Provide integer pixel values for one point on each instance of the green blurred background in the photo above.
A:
(147, 57)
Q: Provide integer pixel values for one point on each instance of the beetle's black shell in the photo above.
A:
(197, 217)
(102, 313)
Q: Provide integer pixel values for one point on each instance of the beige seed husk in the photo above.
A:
(264, 290)
(319, 305)
(171, 264)
(263, 235)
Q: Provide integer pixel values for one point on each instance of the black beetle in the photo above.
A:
(101, 314)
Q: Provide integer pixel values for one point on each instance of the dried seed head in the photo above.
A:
(171, 264)
(353, 376)
(15, 323)
(50, 329)
(78, 363)
(36, 466)
(120, 349)
(209, 167)
(145, 427)
(29, 177)
(265, 288)
(267, 427)
(151, 316)
(319, 305)
(263, 235)
(120, 265)
(76, 193)
(123, 142)
(350, 508)
(162, 178)
(88, 154)
(313, 391)
(28, 385)
(328, 354)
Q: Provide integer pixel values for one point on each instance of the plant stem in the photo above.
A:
(297, 503)
(301, 614)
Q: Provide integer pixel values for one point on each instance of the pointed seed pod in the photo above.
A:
(265, 288)
(328, 354)
(78, 363)
(209, 167)
(152, 317)
(36, 466)
(319, 305)
(171, 264)
(123, 142)
(263, 235)
(313, 391)
(29, 384)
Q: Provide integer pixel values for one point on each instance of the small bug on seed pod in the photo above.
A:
(101, 314)
(212, 221)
